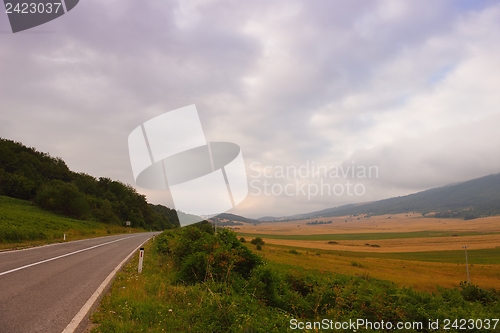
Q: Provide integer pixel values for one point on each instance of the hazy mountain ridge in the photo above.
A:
(236, 218)
(470, 199)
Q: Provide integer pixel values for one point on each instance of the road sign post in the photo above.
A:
(141, 258)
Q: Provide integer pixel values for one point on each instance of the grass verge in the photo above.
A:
(152, 302)
(23, 225)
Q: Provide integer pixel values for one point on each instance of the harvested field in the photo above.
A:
(397, 245)
(374, 224)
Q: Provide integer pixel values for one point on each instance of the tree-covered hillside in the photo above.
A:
(28, 174)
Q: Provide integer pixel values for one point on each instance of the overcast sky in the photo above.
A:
(410, 87)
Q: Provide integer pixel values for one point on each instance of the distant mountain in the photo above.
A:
(236, 218)
(471, 199)
(268, 218)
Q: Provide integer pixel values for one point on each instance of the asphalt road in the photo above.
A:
(43, 288)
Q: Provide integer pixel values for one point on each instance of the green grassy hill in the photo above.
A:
(22, 224)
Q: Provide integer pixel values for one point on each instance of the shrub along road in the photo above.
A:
(42, 289)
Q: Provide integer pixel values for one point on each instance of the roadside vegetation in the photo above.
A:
(23, 224)
(196, 281)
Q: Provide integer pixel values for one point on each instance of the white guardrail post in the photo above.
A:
(141, 258)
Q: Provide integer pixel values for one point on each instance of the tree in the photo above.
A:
(64, 198)
(16, 186)
(257, 241)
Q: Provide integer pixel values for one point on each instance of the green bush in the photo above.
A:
(257, 241)
(194, 268)
(200, 255)
(268, 286)
(16, 186)
(473, 293)
(162, 241)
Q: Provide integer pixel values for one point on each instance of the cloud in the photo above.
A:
(406, 86)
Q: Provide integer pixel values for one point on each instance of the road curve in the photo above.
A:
(43, 288)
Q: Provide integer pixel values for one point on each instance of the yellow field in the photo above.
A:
(421, 275)
(398, 245)
(426, 276)
(383, 223)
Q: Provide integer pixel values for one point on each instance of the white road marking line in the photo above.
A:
(77, 319)
(36, 247)
(61, 256)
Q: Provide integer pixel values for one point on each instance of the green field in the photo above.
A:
(366, 236)
(23, 224)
